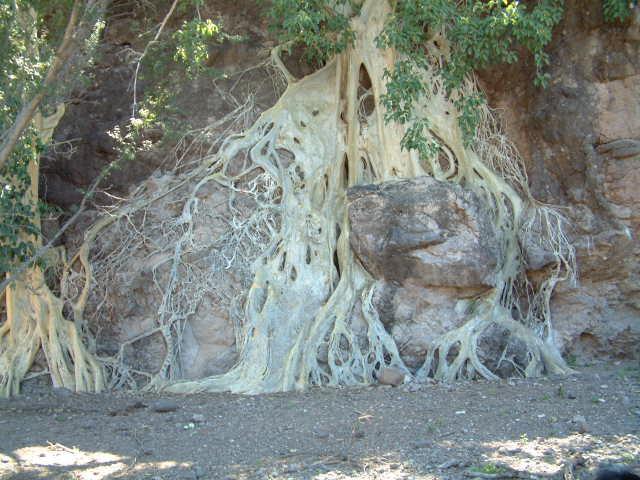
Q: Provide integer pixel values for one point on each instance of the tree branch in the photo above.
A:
(25, 116)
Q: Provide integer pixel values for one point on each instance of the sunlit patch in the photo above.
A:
(60, 456)
(56, 458)
(547, 455)
(8, 467)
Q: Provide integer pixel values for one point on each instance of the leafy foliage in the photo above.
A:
(184, 51)
(482, 33)
(22, 66)
(191, 48)
(322, 27)
(30, 31)
(617, 10)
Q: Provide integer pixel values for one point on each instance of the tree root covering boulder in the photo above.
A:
(307, 314)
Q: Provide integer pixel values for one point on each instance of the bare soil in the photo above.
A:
(542, 428)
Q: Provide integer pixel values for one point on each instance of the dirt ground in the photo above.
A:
(542, 428)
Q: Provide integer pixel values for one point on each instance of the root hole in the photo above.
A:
(336, 262)
(345, 171)
(365, 95)
(452, 353)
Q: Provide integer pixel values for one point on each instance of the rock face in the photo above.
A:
(433, 245)
(431, 232)
(580, 140)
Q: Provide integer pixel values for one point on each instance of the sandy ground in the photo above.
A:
(541, 428)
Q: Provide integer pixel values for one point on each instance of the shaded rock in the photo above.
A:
(415, 316)
(581, 423)
(164, 405)
(622, 148)
(391, 376)
(62, 392)
(430, 232)
(197, 418)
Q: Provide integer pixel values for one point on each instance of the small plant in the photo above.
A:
(561, 393)
(322, 28)
(489, 469)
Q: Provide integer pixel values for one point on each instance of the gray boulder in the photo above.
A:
(423, 231)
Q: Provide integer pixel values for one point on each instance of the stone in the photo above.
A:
(581, 423)
(199, 472)
(621, 148)
(62, 392)
(422, 444)
(197, 418)
(164, 405)
(423, 231)
(391, 376)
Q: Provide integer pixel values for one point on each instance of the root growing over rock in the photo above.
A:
(307, 315)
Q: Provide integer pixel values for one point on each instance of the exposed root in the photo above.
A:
(455, 354)
(35, 319)
(306, 316)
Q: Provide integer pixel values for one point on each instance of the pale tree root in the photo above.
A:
(301, 328)
(35, 320)
(308, 317)
(454, 355)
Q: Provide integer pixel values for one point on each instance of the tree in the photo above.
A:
(32, 84)
(36, 80)
(298, 325)
(332, 130)
(300, 304)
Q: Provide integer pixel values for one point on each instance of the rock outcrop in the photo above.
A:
(580, 141)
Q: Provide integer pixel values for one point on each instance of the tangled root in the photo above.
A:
(34, 320)
(306, 316)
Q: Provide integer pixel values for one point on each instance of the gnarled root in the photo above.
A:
(462, 345)
(34, 320)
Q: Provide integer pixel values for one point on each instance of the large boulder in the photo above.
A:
(433, 233)
(432, 246)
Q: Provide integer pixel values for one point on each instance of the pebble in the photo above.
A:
(412, 387)
(164, 405)
(422, 444)
(292, 468)
(197, 418)
(449, 464)
(581, 423)
(199, 472)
